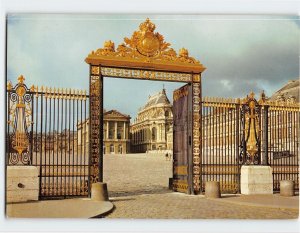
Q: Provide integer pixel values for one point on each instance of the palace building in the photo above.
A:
(152, 129)
(115, 132)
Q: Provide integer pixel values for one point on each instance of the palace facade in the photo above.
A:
(152, 129)
(115, 132)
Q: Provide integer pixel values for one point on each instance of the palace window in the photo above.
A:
(111, 130)
(111, 148)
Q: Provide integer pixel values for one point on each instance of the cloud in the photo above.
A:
(241, 53)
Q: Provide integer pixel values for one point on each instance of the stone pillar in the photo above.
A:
(22, 184)
(107, 129)
(116, 128)
(124, 129)
(196, 137)
(96, 125)
(256, 180)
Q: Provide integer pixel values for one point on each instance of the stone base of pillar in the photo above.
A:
(99, 192)
(256, 180)
(22, 184)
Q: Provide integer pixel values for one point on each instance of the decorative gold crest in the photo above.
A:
(144, 46)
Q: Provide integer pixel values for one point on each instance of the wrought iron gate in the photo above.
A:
(283, 142)
(182, 139)
(48, 128)
(247, 131)
(221, 133)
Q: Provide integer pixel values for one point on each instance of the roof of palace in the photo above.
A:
(291, 89)
(159, 98)
(115, 114)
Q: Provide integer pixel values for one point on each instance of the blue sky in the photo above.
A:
(241, 53)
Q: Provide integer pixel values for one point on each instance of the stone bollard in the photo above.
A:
(99, 192)
(212, 189)
(287, 188)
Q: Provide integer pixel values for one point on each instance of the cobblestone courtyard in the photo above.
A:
(138, 187)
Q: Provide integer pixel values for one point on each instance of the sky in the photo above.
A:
(241, 53)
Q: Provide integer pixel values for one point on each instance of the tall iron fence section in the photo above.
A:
(283, 142)
(226, 137)
(221, 132)
(54, 132)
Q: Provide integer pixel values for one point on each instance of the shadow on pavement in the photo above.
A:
(136, 192)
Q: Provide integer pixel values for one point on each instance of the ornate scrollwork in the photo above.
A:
(145, 74)
(95, 105)
(144, 45)
(196, 137)
(19, 119)
(250, 143)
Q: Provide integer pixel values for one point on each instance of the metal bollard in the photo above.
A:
(212, 189)
(99, 192)
(287, 188)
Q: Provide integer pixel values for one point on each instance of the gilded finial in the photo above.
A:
(9, 86)
(251, 95)
(109, 46)
(147, 26)
(184, 53)
(21, 79)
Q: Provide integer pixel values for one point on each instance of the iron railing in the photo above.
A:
(57, 139)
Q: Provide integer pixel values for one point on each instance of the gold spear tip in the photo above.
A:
(32, 88)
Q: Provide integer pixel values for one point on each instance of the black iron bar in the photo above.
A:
(81, 147)
(237, 143)
(57, 144)
(224, 144)
(61, 145)
(31, 133)
(41, 148)
(218, 152)
(84, 139)
(287, 160)
(36, 130)
(212, 160)
(45, 145)
(73, 149)
(230, 149)
(8, 144)
(65, 146)
(77, 112)
(69, 145)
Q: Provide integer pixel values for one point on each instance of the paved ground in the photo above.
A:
(138, 187)
(68, 208)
